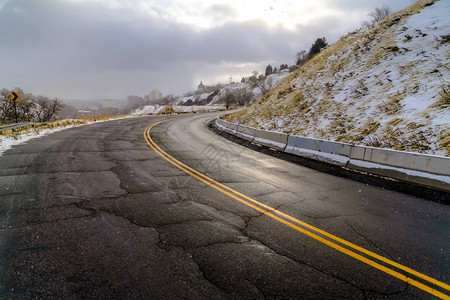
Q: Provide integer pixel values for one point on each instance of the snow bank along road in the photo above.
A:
(155, 208)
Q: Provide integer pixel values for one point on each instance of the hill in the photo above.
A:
(383, 86)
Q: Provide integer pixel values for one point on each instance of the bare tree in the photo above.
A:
(19, 111)
(302, 57)
(266, 85)
(169, 100)
(241, 96)
(6, 106)
(380, 13)
(283, 66)
(26, 106)
(47, 109)
(377, 15)
(254, 78)
(245, 96)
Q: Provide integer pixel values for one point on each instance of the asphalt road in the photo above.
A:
(97, 212)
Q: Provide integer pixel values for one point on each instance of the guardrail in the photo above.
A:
(18, 125)
(426, 170)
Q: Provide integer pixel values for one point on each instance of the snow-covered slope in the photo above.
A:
(185, 104)
(215, 97)
(385, 86)
(164, 109)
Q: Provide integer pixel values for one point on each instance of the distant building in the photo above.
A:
(155, 95)
(201, 87)
(135, 100)
(107, 103)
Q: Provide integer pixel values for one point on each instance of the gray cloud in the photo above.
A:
(220, 11)
(88, 50)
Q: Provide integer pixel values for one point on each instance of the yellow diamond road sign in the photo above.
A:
(14, 96)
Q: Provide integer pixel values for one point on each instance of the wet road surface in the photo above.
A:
(95, 212)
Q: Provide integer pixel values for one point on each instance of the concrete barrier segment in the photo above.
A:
(245, 132)
(420, 168)
(334, 159)
(271, 139)
(438, 182)
(303, 143)
(226, 126)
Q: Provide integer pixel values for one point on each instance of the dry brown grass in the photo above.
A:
(296, 96)
(393, 105)
(95, 118)
(444, 96)
(36, 129)
(444, 140)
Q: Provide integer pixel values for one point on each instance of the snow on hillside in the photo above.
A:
(184, 104)
(386, 86)
(216, 96)
(164, 109)
(149, 110)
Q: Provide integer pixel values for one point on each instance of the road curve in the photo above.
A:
(106, 211)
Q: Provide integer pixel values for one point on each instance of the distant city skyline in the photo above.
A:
(96, 49)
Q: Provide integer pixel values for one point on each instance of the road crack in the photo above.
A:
(367, 240)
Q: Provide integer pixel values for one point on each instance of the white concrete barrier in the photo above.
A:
(245, 132)
(336, 148)
(401, 165)
(357, 152)
(226, 126)
(330, 152)
(433, 164)
(401, 159)
(303, 143)
(271, 139)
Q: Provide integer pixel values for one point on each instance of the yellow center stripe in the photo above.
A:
(289, 221)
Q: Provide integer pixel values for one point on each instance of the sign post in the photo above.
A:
(14, 99)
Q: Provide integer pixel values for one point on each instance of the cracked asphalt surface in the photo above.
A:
(94, 212)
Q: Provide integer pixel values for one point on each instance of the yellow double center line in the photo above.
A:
(306, 228)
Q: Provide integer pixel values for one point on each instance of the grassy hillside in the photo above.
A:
(384, 86)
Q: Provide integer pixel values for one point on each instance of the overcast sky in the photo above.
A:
(95, 49)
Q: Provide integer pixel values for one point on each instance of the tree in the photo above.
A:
(301, 57)
(241, 96)
(245, 96)
(377, 15)
(168, 100)
(6, 106)
(380, 13)
(243, 80)
(275, 71)
(283, 66)
(19, 111)
(266, 85)
(318, 45)
(254, 78)
(269, 70)
(47, 109)
(293, 68)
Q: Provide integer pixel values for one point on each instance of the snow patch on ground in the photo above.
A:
(149, 110)
(8, 142)
(158, 109)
